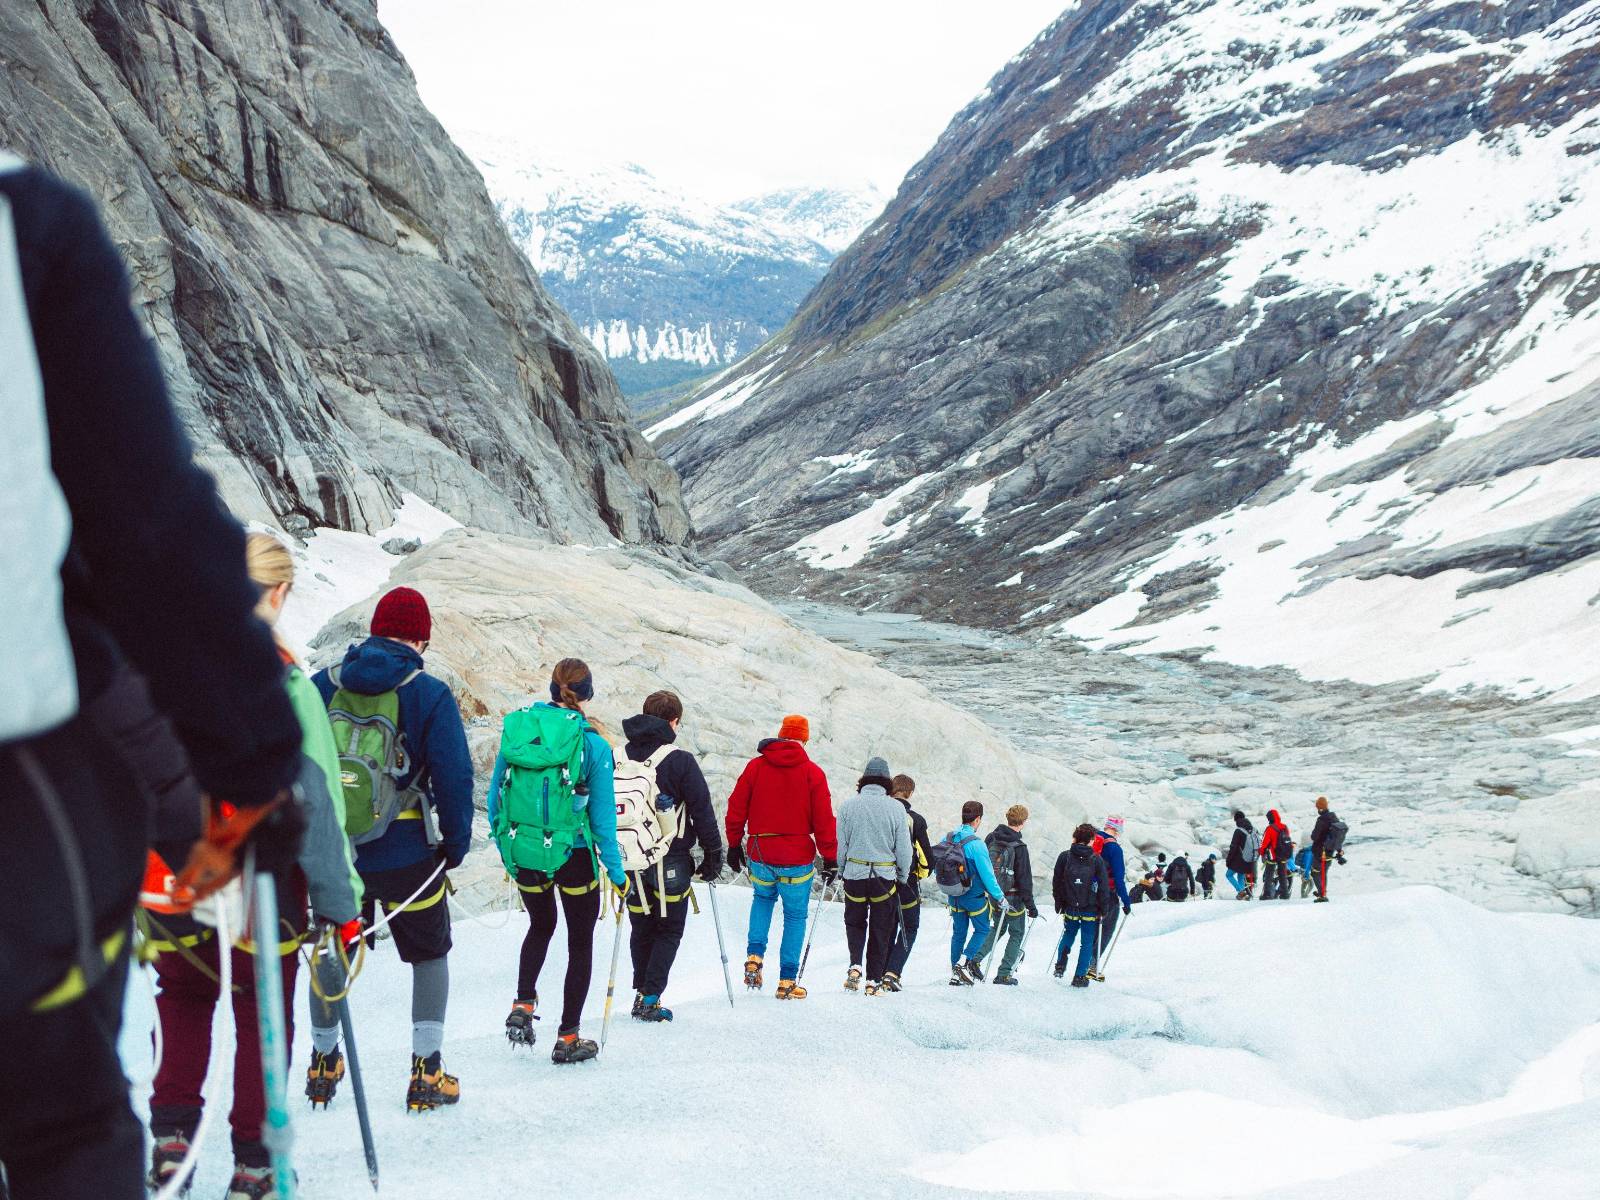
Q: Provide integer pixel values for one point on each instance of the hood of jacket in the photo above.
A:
(377, 665)
(1273, 818)
(1080, 851)
(1241, 821)
(1004, 835)
(782, 752)
(646, 735)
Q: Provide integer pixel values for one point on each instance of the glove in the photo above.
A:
(1033, 913)
(711, 866)
(736, 859)
(829, 872)
(348, 932)
(452, 858)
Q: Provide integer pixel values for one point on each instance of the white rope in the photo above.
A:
(390, 913)
(159, 1050)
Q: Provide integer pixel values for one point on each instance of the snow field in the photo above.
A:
(1401, 1043)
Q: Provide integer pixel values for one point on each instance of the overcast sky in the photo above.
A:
(726, 98)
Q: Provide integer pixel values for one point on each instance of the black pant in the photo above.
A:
(869, 921)
(653, 941)
(71, 1136)
(421, 930)
(1108, 927)
(910, 899)
(578, 886)
(1275, 881)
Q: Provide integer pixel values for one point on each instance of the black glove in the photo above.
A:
(830, 872)
(452, 858)
(736, 858)
(711, 866)
(1127, 910)
(276, 838)
(1033, 913)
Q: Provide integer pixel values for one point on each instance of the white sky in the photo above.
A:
(724, 98)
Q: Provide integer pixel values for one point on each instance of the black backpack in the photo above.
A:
(1081, 885)
(1179, 877)
(950, 863)
(1004, 859)
(1334, 842)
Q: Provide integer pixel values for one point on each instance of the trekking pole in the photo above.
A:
(1022, 955)
(722, 949)
(275, 1132)
(811, 932)
(611, 983)
(359, 1089)
(1102, 959)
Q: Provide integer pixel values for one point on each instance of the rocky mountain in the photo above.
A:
(668, 287)
(342, 316)
(1257, 331)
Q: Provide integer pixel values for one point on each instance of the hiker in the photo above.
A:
(658, 899)
(1180, 879)
(408, 810)
(187, 952)
(1307, 872)
(910, 892)
(1145, 889)
(1242, 854)
(1206, 876)
(1013, 870)
(966, 875)
(118, 551)
(1160, 873)
(1081, 885)
(1277, 850)
(552, 811)
(1108, 846)
(875, 859)
(781, 804)
(1327, 845)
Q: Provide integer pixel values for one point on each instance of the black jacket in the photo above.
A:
(1102, 879)
(1236, 848)
(1319, 831)
(680, 777)
(1180, 879)
(1020, 894)
(921, 847)
(154, 575)
(1206, 876)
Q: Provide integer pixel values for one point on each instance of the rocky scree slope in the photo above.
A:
(1264, 330)
(669, 287)
(341, 314)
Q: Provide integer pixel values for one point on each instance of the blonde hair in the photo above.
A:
(269, 564)
(1016, 814)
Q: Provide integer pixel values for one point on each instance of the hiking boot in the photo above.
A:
(638, 1005)
(974, 969)
(852, 980)
(891, 982)
(323, 1077)
(873, 987)
(430, 1086)
(570, 1048)
(1320, 900)
(166, 1157)
(1080, 981)
(1096, 975)
(959, 978)
(252, 1183)
(519, 1024)
(788, 989)
(752, 972)
(650, 1010)
(1006, 980)
(1059, 972)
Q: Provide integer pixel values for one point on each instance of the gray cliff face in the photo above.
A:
(1125, 293)
(342, 316)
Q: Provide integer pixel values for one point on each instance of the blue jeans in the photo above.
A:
(1084, 929)
(793, 884)
(1238, 880)
(960, 921)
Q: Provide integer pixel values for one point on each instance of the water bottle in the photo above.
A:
(664, 803)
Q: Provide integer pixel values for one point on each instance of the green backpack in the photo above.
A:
(372, 760)
(536, 825)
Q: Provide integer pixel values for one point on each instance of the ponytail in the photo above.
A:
(571, 685)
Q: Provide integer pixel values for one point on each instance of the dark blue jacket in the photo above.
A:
(435, 741)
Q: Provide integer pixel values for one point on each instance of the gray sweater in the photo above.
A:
(873, 831)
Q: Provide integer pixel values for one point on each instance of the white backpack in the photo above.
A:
(1252, 845)
(644, 832)
(38, 679)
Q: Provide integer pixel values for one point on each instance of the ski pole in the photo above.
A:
(1022, 954)
(359, 1089)
(276, 1132)
(1102, 959)
(811, 932)
(722, 949)
(611, 983)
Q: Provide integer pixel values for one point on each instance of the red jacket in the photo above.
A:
(781, 802)
(1276, 831)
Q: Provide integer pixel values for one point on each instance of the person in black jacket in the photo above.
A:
(911, 889)
(1082, 890)
(1241, 869)
(1180, 880)
(660, 909)
(1322, 852)
(154, 576)
(1007, 847)
(1206, 876)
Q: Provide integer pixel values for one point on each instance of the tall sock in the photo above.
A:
(324, 1040)
(430, 994)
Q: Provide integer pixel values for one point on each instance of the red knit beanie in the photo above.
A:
(796, 728)
(403, 615)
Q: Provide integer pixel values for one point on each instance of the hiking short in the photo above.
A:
(421, 930)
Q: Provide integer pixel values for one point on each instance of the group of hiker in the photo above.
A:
(1271, 855)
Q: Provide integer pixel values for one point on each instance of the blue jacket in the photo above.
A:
(594, 791)
(435, 740)
(1112, 853)
(984, 884)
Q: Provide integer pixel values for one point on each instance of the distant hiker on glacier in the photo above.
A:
(324, 885)
(553, 814)
(1107, 845)
(678, 814)
(1327, 846)
(1206, 876)
(1242, 854)
(1081, 887)
(875, 856)
(780, 820)
(965, 874)
(1180, 880)
(408, 809)
(118, 554)
(1277, 850)
(1013, 870)
(910, 891)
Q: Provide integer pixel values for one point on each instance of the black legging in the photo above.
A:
(869, 908)
(576, 884)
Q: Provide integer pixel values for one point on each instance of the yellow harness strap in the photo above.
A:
(73, 986)
(431, 900)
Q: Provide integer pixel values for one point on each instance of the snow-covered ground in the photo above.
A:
(1396, 1044)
